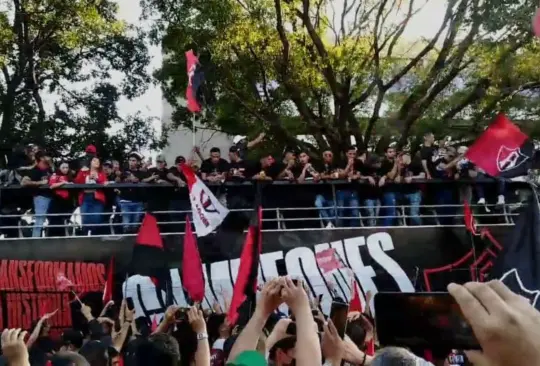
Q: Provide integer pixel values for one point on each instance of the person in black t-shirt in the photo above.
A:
(159, 173)
(429, 154)
(215, 169)
(371, 174)
(388, 173)
(305, 170)
(347, 199)
(130, 200)
(237, 166)
(35, 177)
(410, 192)
(179, 204)
(325, 202)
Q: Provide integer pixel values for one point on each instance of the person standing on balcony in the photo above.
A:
(371, 192)
(131, 199)
(92, 201)
(62, 200)
(347, 199)
(34, 178)
(409, 191)
(324, 201)
(389, 169)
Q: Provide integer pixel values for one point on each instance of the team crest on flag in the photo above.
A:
(513, 281)
(508, 158)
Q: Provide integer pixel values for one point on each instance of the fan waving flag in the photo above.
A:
(243, 298)
(108, 290)
(518, 265)
(502, 150)
(208, 212)
(192, 271)
(195, 80)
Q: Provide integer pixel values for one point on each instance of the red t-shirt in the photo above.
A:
(56, 178)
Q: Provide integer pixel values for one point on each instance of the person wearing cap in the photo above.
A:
(237, 171)
(130, 200)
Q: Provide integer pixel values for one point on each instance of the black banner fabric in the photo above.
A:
(394, 259)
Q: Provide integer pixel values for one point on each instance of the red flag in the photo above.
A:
(356, 303)
(191, 92)
(149, 234)
(245, 286)
(108, 290)
(192, 271)
(502, 150)
(469, 219)
(328, 260)
(62, 282)
(154, 325)
(536, 23)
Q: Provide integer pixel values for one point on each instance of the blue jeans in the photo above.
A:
(132, 213)
(389, 201)
(444, 198)
(41, 207)
(327, 214)
(371, 210)
(92, 214)
(413, 201)
(348, 200)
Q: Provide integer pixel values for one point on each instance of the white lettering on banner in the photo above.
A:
(300, 263)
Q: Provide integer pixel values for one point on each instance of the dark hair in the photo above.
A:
(158, 349)
(390, 147)
(213, 324)
(41, 154)
(284, 344)
(179, 159)
(72, 337)
(352, 147)
(234, 149)
(356, 333)
(96, 353)
(215, 150)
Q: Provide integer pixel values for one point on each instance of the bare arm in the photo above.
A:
(256, 141)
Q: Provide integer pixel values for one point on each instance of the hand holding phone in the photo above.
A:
(338, 315)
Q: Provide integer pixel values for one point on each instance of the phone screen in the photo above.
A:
(426, 320)
(338, 314)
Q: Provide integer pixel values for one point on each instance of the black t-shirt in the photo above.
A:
(412, 170)
(440, 172)
(329, 169)
(240, 168)
(210, 168)
(463, 168)
(367, 190)
(37, 174)
(271, 171)
(162, 174)
(132, 194)
(357, 167)
(179, 192)
(299, 168)
(386, 167)
(430, 154)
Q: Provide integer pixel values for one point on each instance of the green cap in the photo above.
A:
(248, 358)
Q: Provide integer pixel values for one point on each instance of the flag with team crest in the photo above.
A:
(208, 212)
(503, 150)
(518, 266)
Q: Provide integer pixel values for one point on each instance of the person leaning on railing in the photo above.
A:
(62, 202)
(35, 177)
(92, 201)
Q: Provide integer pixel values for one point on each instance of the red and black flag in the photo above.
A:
(195, 80)
(243, 300)
(150, 257)
(518, 265)
(502, 150)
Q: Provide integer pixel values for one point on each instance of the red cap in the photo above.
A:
(91, 149)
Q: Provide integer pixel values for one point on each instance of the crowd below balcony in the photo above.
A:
(374, 187)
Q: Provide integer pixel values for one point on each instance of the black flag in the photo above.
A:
(518, 265)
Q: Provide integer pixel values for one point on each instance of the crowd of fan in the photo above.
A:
(395, 179)
(505, 325)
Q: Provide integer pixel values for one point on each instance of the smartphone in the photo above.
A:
(130, 304)
(338, 315)
(424, 320)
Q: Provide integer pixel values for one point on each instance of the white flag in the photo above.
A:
(208, 212)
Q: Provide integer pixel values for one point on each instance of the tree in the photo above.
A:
(332, 69)
(69, 50)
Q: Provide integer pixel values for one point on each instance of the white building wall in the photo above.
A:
(180, 141)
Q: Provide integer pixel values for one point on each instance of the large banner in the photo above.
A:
(394, 259)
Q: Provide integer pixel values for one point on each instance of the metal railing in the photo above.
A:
(18, 220)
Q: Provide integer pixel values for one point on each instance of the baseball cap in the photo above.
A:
(248, 358)
(91, 149)
(179, 159)
(161, 158)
